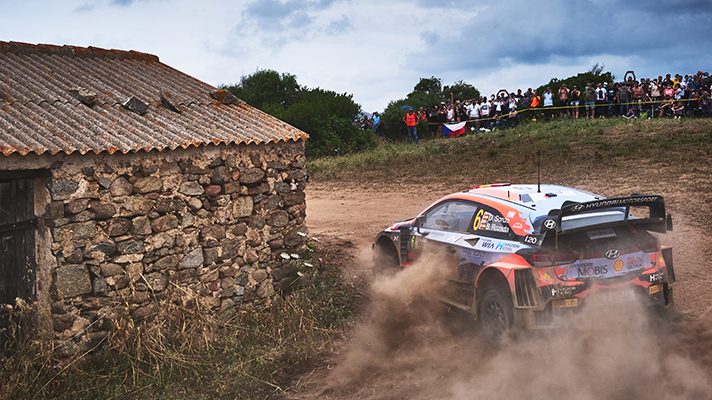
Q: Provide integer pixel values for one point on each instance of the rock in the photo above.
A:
(278, 165)
(157, 282)
(282, 187)
(141, 226)
(293, 198)
(275, 244)
(242, 207)
(148, 185)
(76, 206)
(212, 232)
(130, 247)
(259, 275)
(102, 211)
(166, 205)
(211, 255)
(296, 174)
(231, 248)
(278, 218)
(191, 188)
(231, 187)
(265, 290)
(193, 259)
(134, 271)
(273, 202)
(167, 262)
(165, 223)
(213, 190)
(258, 189)
(72, 280)
(251, 176)
(239, 229)
(136, 205)
(211, 276)
(118, 226)
(195, 203)
(62, 189)
(220, 175)
(111, 270)
(102, 249)
(78, 231)
(120, 187)
(54, 210)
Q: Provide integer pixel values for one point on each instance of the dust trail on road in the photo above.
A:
(407, 346)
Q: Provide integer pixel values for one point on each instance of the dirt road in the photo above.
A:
(404, 346)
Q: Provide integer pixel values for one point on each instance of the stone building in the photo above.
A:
(122, 178)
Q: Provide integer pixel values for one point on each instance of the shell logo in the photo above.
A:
(618, 265)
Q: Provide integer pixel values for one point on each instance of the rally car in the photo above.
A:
(526, 256)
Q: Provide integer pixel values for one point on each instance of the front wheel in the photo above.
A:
(496, 314)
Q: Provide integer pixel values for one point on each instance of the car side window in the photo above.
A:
(451, 216)
(489, 222)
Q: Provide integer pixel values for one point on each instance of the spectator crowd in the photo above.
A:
(672, 96)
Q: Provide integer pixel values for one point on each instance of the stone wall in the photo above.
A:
(214, 227)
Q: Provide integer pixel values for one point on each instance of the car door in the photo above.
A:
(446, 231)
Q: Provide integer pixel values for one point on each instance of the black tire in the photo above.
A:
(495, 313)
(385, 261)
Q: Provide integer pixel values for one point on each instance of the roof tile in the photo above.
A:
(41, 109)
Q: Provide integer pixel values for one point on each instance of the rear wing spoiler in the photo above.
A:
(657, 220)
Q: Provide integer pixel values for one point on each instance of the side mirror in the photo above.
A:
(420, 220)
(669, 222)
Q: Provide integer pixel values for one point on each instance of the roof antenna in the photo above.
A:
(538, 171)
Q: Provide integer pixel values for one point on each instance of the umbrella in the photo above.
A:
(406, 108)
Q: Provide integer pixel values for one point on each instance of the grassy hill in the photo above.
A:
(512, 153)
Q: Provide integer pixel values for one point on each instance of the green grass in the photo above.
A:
(515, 149)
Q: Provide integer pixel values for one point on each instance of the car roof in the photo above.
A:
(534, 200)
(528, 203)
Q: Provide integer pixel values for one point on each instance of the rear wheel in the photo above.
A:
(496, 313)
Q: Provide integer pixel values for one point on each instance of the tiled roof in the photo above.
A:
(66, 99)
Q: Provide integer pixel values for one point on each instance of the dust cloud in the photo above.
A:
(408, 346)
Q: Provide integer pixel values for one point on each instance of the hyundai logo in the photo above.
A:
(550, 224)
(612, 254)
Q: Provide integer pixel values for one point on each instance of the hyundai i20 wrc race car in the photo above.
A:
(526, 256)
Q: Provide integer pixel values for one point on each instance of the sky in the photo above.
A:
(377, 50)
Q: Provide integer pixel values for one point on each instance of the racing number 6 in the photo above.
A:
(478, 219)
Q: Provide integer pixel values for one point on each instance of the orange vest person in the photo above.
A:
(411, 121)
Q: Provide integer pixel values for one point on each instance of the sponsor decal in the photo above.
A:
(655, 289)
(529, 239)
(612, 254)
(455, 238)
(618, 265)
(614, 203)
(517, 225)
(603, 267)
(550, 224)
(499, 246)
(511, 214)
(567, 303)
(491, 222)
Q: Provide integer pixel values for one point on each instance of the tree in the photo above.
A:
(325, 115)
(462, 90)
(430, 85)
(267, 90)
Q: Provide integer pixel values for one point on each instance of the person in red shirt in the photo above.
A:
(411, 122)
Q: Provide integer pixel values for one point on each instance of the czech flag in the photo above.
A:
(453, 130)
